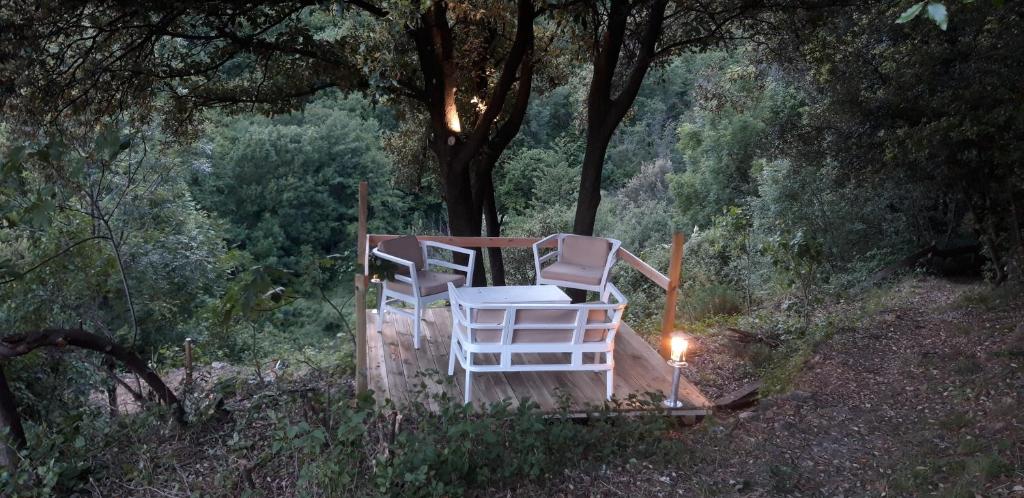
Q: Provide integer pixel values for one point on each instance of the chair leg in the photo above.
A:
(610, 380)
(380, 312)
(451, 357)
(416, 327)
(468, 397)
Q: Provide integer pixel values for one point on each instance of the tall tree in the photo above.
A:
(466, 66)
(626, 38)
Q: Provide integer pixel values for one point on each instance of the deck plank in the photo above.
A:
(649, 377)
(427, 372)
(376, 371)
(416, 381)
(438, 347)
(443, 346)
(397, 384)
(659, 378)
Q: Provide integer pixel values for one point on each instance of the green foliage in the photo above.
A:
(539, 178)
(290, 183)
(906, 103)
(57, 460)
(113, 214)
(739, 113)
(456, 451)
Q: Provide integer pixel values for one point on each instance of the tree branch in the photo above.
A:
(51, 258)
(21, 344)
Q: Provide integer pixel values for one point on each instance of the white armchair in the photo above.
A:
(581, 262)
(415, 282)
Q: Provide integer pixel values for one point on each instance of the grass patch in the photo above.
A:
(990, 298)
(710, 302)
(779, 367)
(966, 474)
(955, 421)
(967, 366)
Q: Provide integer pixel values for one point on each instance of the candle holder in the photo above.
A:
(677, 361)
(673, 401)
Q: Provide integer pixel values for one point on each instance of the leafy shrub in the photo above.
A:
(366, 450)
(710, 301)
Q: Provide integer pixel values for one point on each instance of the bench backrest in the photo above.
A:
(536, 323)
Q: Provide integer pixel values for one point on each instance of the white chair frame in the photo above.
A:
(538, 261)
(416, 300)
(463, 347)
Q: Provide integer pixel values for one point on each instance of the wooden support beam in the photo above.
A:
(525, 243)
(644, 268)
(361, 283)
(362, 243)
(668, 317)
(469, 242)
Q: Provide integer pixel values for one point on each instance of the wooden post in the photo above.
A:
(188, 361)
(361, 242)
(668, 317)
(361, 282)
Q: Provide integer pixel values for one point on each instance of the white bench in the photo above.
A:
(504, 332)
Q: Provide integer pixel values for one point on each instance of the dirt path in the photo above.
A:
(924, 397)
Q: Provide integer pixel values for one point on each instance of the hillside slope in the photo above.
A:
(922, 397)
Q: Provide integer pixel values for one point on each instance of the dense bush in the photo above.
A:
(456, 451)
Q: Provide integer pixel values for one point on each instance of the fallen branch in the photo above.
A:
(20, 344)
(746, 337)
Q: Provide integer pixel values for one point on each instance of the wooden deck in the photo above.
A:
(397, 371)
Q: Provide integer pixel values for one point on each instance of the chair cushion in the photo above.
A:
(570, 272)
(406, 247)
(540, 316)
(585, 251)
(431, 282)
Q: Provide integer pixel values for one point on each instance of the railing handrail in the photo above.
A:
(659, 279)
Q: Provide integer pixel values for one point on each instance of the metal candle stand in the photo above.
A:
(673, 401)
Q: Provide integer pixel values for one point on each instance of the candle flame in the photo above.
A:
(679, 345)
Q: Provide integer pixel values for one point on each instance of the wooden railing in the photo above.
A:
(669, 283)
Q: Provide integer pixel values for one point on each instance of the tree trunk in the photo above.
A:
(1015, 259)
(590, 187)
(605, 110)
(112, 405)
(494, 256)
(10, 422)
(458, 148)
(465, 218)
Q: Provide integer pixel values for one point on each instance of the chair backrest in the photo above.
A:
(536, 323)
(586, 251)
(406, 247)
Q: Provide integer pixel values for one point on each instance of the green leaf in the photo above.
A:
(937, 13)
(37, 214)
(910, 13)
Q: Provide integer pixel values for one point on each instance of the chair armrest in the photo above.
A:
(610, 290)
(403, 262)
(613, 255)
(537, 259)
(468, 268)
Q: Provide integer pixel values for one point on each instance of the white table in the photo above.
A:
(511, 294)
